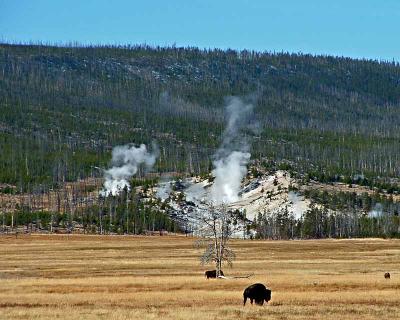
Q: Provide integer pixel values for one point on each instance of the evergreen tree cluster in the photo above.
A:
(333, 215)
(127, 213)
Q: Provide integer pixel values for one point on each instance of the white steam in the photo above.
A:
(376, 212)
(232, 157)
(164, 189)
(228, 174)
(197, 192)
(298, 206)
(125, 164)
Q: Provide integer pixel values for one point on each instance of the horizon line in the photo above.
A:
(128, 46)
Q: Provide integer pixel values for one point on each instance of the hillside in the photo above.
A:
(64, 108)
(318, 140)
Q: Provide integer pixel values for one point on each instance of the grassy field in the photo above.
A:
(116, 277)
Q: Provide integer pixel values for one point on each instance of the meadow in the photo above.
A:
(153, 277)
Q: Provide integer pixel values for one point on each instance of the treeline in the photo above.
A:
(333, 215)
(127, 213)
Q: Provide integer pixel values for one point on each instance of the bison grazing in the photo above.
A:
(387, 275)
(257, 292)
(212, 274)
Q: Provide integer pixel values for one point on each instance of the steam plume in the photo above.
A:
(125, 163)
(164, 188)
(376, 212)
(233, 155)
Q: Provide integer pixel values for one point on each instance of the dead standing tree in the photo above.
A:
(217, 226)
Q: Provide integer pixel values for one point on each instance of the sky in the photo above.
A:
(353, 28)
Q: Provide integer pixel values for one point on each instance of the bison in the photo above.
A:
(212, 274)
(387, 275)
(257, 292)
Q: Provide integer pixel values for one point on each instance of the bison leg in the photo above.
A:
(251, 300)
(244, 300)
(260, 302)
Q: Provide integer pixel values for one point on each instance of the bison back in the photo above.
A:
(212, 274)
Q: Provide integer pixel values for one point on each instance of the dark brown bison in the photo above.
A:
(257, 292)
(212, 274)
(387, 275)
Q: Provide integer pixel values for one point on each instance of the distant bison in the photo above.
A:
(387, 275)
(212, 274)
(257, 292)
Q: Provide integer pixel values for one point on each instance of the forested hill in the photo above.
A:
(64, 108)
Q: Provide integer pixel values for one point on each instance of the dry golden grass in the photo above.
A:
(116, 277)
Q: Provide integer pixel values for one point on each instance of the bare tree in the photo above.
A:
(217, 226)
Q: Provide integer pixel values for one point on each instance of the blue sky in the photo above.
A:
(354, 28)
